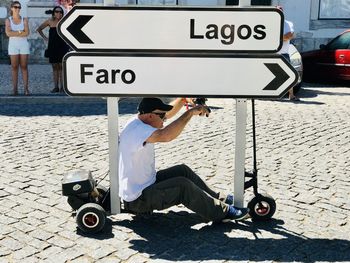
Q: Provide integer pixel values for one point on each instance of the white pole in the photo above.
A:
(113, 135)
(244, 3)
(113, 141)
(112, 111)
(240, 143)
(109, 2)
(240, 147)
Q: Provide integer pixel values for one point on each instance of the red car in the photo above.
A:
(330, 62)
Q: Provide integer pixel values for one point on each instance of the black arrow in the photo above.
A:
(280, 76)
(75, 29)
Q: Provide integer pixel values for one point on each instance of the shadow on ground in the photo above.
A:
(70, 108)
(176, 236)
(67, 108)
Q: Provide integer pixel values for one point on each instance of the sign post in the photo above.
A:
(113, 112)
(240, 142)
(194, 51)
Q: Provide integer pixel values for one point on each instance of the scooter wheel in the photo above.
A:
(91, 218)
(262, 207)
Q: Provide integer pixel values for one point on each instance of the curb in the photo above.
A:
(47, 99)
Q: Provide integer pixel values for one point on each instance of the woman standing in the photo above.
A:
(16, 28)
(57, 48)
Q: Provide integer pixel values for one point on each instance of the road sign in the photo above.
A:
(136, 74)
(195, 29)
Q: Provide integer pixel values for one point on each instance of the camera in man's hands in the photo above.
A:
(201, 101)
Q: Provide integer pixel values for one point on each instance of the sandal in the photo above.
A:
(294, 99)
(55, 90)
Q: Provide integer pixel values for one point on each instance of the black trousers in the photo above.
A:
(180, 185)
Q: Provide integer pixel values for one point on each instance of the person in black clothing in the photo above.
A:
(56, 48)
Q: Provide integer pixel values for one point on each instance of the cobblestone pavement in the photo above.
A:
(303, 161)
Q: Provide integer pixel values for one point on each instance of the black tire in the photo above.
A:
(91, 218)
(262, 207)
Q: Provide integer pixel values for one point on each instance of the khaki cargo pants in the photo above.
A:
(180, 185)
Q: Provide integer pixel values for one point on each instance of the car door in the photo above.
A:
(335, 59)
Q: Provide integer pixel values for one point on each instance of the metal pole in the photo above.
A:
(113, 135)
(240, 147)
(241, 131)
(112, 110)
(244, 3)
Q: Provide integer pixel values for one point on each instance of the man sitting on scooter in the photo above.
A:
(143, 189)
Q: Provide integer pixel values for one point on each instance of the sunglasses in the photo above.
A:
(160, 114)
(17, 7)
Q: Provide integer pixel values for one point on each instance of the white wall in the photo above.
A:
(3, 12)
(304, 12)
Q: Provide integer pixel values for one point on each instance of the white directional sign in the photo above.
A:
(239, 76)
(98, 28)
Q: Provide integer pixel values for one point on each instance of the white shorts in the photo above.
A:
(18, 46)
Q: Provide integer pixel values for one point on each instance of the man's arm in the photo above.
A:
(174, 129)
(177, 105)
(288, 36)
(288, 31)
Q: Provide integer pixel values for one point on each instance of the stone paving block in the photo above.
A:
(24, 253)
(61, 242)
(11, 244)
(110, 259)
(140, 257)
(49, 253)
(32, 221)
(41, 234)
(4, 251)
(102, 252)
(82, 259)
(71, 254)
(125, 253)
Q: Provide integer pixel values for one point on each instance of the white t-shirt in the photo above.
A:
(136, 159)
(288, 27)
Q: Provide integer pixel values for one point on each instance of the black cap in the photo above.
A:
(147, 105)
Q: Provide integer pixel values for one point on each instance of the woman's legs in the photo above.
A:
(60, 79)
(14, 70)
(55, 73)
(24, 69)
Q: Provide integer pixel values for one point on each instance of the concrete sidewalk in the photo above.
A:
(40, 80)
(40, 85)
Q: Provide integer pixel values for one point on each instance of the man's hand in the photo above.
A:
(171, 131)
(200, 110)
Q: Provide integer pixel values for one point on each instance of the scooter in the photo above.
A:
(91, 201)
